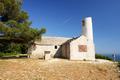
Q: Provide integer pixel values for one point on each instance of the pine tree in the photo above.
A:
(15, 24)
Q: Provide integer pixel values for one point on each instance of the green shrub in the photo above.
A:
(99, 56)
(13, 48)
(12, 55)
(8, 54)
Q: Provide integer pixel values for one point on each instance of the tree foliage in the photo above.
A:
(14, 21)
(15, 24)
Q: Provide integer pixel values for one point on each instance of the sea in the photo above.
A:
(110, 55)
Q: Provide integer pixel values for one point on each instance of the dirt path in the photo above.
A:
(57, 69)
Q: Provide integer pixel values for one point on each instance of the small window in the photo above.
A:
(83, 23)
(47, 52)
(55, 47)
(82, 48)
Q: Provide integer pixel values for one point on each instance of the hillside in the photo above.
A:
(57, 69)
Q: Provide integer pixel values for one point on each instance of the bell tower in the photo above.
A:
(87, 29)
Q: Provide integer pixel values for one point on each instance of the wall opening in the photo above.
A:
(82, 48)
(56, 47)
(47, 52)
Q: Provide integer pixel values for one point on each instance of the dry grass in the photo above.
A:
(34, 69)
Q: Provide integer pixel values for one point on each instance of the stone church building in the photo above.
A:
(79, 48)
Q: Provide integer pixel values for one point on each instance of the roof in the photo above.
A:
(73, 39)
(52, 40)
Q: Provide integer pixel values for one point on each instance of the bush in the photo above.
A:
(8, 54)
(2, 55)
(13, 48)
(99, 56)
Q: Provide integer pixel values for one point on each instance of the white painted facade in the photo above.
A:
(39, 52)
(75, 54)
(81, 48)
(87, 29)
(48, 44)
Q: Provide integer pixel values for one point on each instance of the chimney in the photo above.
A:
(87, 28)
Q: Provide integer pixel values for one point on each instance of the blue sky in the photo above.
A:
(63, 18)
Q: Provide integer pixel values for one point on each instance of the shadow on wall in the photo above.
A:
(58, 54)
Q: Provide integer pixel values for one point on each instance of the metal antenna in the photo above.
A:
(114, 56)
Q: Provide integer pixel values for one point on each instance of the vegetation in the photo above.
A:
(13, 55)
(16, 35)
(8, 54)
(99, 56)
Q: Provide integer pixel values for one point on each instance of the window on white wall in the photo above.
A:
(47, 52)
(55, 46)
(82, 48)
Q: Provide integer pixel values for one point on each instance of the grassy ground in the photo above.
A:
(57, 69)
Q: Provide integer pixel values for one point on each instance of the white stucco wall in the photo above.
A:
(39, 52)
(75, 54)
(91, 51)
(87, 29)
(47, 44)
(74, 49)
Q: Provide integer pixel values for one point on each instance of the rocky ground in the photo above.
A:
(57, 69)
